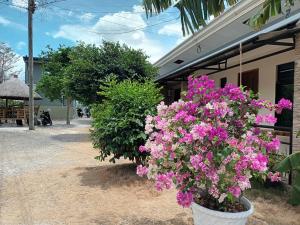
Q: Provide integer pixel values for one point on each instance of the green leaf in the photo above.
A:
(194, 14)
(292, 164)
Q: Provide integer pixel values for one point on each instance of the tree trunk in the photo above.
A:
(69, 104)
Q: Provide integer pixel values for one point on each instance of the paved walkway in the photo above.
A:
(23, 150)
(49, 176)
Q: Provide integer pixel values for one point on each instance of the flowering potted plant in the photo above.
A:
(208, 147)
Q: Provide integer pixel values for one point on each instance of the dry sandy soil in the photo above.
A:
(49, 177)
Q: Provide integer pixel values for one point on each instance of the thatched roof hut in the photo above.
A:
(16, 89)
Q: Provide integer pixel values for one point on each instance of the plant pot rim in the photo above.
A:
(229, 215)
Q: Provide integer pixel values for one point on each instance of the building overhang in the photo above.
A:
(35, 59)
(279, 32)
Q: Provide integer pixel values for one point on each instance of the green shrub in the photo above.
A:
(119, 121)
(291, 164)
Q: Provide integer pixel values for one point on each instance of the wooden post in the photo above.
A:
(31, 8)
(241, 63)
(296, 103)
(69, 102)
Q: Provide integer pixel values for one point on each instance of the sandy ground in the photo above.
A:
(49, 177)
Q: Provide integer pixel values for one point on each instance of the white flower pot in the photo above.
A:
(204, 216)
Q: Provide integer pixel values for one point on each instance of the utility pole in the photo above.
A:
(31, 9)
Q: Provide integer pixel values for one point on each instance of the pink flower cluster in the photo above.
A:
(141, 170)
(269, 119)
(207, 143)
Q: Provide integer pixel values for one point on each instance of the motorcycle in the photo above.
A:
(87, 113)
(79, 113)
(45, 118)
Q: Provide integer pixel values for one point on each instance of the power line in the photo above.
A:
(136, 29)
(129, 31)
(94, 12)
(49, 3)
(100, 12)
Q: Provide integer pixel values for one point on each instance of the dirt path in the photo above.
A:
(49, 177)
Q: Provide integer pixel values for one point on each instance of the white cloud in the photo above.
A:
(173, 29)
(180, 40)
(4, 21)
(20, 4)
(124, 27)
(138, 9)
(9, 23)
(21, 45)
(86, 17)
(76, 33)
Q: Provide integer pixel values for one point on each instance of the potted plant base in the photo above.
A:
(205, 216)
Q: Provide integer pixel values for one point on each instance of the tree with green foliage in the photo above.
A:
(54, 80)
(91, 64)
(119, 121)
(195, 14)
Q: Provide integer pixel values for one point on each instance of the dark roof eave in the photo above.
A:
(225, 49)
(35, 59)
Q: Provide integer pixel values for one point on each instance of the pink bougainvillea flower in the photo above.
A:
(213, 191)
(273, 145)
(235, 191)
(274, 177)
(141, 170)
(269, 119)
(184, 198)
(259, 162)
(283, 104)
(164, 181)
(196, 161)
(142, 148)
(209, 142)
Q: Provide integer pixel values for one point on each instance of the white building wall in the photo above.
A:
(267, 79)
(267, 74)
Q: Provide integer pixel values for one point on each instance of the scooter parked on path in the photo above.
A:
(45, 118)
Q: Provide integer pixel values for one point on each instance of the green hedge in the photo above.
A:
(119, 121)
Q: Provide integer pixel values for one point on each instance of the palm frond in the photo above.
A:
(156, 6)
(270, 9)
(195, 13)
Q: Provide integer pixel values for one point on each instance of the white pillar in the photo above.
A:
(296, 106)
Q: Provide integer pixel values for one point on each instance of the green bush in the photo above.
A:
(119, 121)
(291, 164)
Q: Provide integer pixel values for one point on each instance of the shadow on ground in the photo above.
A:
(108, 176)
(62, 125)
(179, 219)
(84, 121)
(78, 137)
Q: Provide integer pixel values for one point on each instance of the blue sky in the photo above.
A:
(65, 22)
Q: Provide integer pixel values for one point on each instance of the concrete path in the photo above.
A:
(49, 176)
